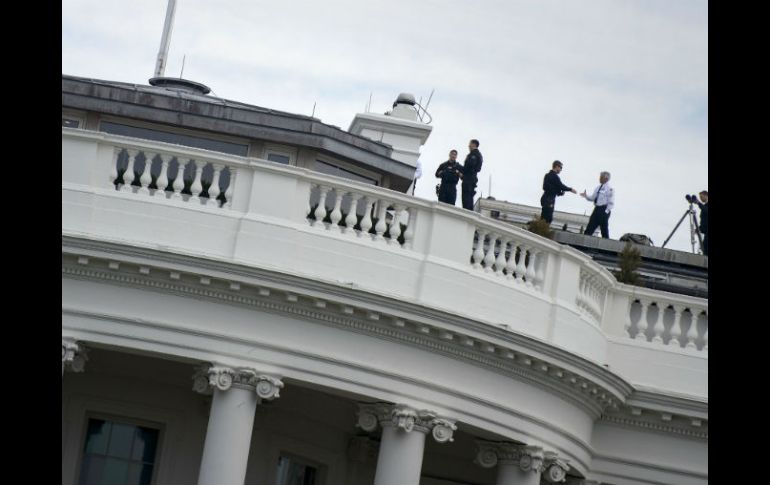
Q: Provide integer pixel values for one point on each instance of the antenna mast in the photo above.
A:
(165, 40)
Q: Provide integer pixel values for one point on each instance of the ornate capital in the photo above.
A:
(223, 378)
(73, 355)
(405, 418)
(528, 458)
(555, 468)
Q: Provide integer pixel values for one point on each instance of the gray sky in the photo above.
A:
(610, 85)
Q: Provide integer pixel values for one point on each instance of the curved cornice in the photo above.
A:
(589, 385)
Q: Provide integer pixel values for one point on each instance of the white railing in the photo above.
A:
(471, 245)
(158, 174)
(362, 212)
(592, 291)
(665, 321)
(516, 257)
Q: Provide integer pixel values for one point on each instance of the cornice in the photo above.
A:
(588, 385)
(581, 391)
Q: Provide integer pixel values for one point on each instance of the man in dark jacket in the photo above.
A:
(704, 219)
(471, 168)
(449, 172)
(552, 187)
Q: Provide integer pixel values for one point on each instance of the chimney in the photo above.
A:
(400, 128)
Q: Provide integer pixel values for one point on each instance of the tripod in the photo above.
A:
(693, 229)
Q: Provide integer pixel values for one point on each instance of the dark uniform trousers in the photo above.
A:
(447, 193)
(469, 190)
(547, 205)
(599, 218)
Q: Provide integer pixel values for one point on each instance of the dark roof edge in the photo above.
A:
(219, 115)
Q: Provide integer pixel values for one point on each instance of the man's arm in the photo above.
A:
(440, 169)
(610, 200)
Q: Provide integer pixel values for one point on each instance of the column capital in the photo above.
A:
(73, 355)
(406, 418)
(223, 377)
(555, 468)
(526, 457)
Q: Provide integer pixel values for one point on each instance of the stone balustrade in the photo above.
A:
(159, 174)
(488, 256)
(361, 212)
(515, 257)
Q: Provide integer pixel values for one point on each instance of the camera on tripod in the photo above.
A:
(692, 199)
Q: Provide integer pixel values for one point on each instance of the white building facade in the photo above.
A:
(278, 325)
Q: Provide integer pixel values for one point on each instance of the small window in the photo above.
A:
(278, 158)
(292, 471)
(118, 454)
(70, 123)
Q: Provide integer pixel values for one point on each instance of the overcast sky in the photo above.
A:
(608, 85)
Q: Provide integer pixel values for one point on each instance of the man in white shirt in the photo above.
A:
(417, 174)
(603, 198)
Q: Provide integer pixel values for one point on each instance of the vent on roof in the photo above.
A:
(179, 84)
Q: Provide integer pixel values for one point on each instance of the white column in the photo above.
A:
(73, 355)
(399, 461)
(520, 464)
(237, 391)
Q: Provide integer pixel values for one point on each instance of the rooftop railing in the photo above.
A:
(490, 270)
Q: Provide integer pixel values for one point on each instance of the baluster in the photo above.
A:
(336, 214)
(676, 327)
(178, 185)
(478, 253)
(657, 327)
(320, 211)
(366, 220)
(114, 170)
(521, 267)
(128, 175)
(145, 179)
(489, 257)
(500, 261)
(162, 182)
(531, 269)
(706, 336)
(510, 265)
(395, 225)
(642, 325)
(214, 189)
(692, 332)
(196, 186)
(352, 218)
(229, 190)
(409, 232)
(381, 225)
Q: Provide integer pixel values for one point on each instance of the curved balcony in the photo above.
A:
(380, 242)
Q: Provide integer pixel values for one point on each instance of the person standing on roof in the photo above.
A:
(471, 168)
(552, 188)
(449, 172)
(603, 198)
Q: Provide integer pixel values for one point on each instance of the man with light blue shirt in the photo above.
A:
(603, 198)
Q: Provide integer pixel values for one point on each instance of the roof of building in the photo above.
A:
(210, 113)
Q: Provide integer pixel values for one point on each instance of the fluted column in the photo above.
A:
(73, 355)
(399, 461)
(237, 391)
(521, 464)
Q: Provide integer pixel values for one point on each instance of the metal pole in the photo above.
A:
(165, 40)
(675, 228)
